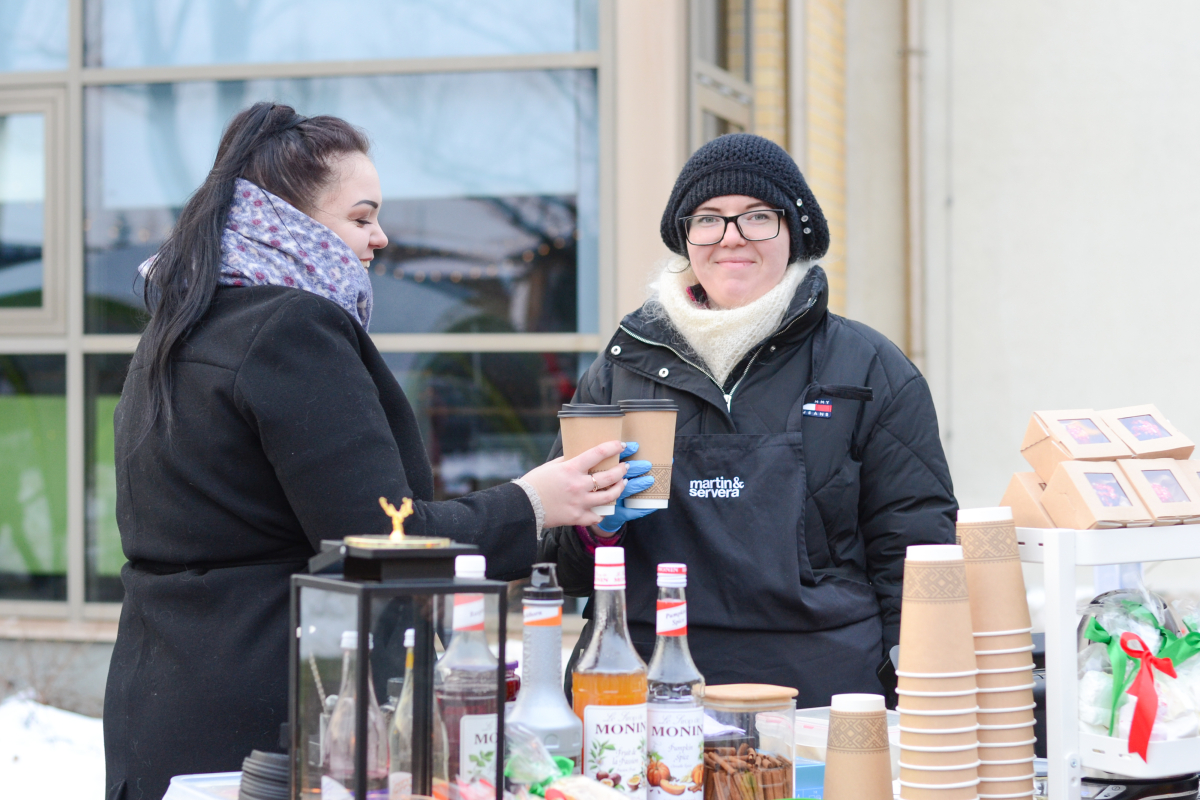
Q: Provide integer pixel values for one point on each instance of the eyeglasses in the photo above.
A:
(754, 226)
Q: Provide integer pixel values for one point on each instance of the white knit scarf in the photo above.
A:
(722, 337)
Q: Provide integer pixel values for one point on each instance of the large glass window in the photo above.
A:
(489, 180)
(22, 199)
(104, 375)
(33, 35)
(723, 35)
(33, 477)
(486, 418)
(142, 33)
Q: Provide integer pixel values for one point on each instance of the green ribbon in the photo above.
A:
(1181, 648)
(1116, 656)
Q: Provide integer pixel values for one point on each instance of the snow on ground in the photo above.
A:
(49, 753)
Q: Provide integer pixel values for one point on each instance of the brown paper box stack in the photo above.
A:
(1093, 494)
(1147, 433)
(858, 763)
(1165, 487)
(1024, 497)
(1003, 651)
(1072, 435)
(939, 755)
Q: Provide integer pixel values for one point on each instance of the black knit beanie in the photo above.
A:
(742, 163)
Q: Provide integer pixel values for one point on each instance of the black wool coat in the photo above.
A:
(288, 428)
(877, 481)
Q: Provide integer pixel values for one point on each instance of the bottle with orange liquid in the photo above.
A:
(609, 686)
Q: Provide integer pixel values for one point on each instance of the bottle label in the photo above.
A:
(543, 616)
(676, 759)
(610, 576)
(477, 747)
(468, 612)
(399, 785)
(614, 747)
(672, 617)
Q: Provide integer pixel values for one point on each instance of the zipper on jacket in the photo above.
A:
(728, 397)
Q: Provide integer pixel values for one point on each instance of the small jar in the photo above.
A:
(750, 756)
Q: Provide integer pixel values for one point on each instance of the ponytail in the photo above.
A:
(269, 145)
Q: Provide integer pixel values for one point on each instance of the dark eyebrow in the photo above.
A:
(371, 203)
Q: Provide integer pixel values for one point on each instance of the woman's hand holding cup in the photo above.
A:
(569, 493)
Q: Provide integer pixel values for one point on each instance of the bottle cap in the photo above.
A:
(609, 556)
(672, 575)
(543, 583)
(410, 637)
(350, 640)
(470, 567)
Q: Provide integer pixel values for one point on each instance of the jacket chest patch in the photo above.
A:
(716, 487)
(820, 408)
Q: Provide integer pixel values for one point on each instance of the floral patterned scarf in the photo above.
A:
(269, 242)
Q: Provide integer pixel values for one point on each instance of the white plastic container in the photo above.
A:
(213, 786)
(812, 733)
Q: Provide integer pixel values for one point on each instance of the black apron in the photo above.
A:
(737, 519)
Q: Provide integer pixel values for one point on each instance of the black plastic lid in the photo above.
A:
(649, 405)
(589, 410)
(543, 583)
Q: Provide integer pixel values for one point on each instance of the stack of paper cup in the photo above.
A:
(858, 763)
(1003, 651)
(938, 728)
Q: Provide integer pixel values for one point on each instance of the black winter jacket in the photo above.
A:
(876, 476)
(288, 428)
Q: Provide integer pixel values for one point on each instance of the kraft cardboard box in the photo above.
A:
(1093, 494)
(1024, 497)
(1147, 433)
(1192, 470)
(1072, 435)
(1165, 488)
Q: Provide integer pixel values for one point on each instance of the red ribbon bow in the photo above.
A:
(1143, 689)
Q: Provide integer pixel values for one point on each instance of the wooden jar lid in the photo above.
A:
(748, 696)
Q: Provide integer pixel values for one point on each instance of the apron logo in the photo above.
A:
(716, 487)
(821, 408)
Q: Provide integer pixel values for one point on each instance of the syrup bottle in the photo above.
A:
(465, 689)
(340, 739)
(675, 712)
(609, 686)
(400, 734)
(541, 705)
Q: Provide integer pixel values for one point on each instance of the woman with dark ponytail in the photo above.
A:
(258, 419)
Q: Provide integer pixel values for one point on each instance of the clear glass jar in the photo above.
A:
(749, 753)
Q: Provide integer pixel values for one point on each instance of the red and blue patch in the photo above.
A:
(820, 408)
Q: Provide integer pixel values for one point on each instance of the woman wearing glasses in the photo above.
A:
(817, 437)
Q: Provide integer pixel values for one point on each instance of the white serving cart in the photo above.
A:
(1068, 749)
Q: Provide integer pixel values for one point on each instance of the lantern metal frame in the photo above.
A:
(383, 575)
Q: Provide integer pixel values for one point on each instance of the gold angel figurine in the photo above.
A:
(398, 516)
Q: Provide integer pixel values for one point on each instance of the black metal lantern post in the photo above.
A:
(381, 590)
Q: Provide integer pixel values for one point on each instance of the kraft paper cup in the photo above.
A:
(583, 427)
(1012, 677)
(1005, 719)
(1009, 657)
(935, 629)
(937, 682)
(963, 790)
(964, 735)
(948, 703)
(1009, 698)
(1014, 768)
(925, 722)
(939, 775)
(1002, 641)
(947, 756)
(1006, 736)
(1009, 787)
(858, 764)
(994, 578)
(651, 423)
(1006, 752)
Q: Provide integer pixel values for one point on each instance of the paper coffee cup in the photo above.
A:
(965, 735)
(1006, 752)
(965, 790)
(1006, 736)
(999, 721)
(1020, 769)
(939, 722)
(1007, 787)
(956, 756)
(953, 681)
(997, 585)
(939, 775)
(1010, 658)
(935, 629)
(1002, 642)
(585, 426)
(1006, 680)
(858, 762)
(1007, 699)
(954, 703)
(651, 423)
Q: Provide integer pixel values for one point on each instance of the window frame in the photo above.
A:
(713, 89)
(51, 317)
(66, 240)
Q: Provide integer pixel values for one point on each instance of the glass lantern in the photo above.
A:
(347, 740)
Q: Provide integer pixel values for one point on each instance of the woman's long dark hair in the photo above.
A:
(271, 146)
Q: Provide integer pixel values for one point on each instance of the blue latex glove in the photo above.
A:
(639, 481)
